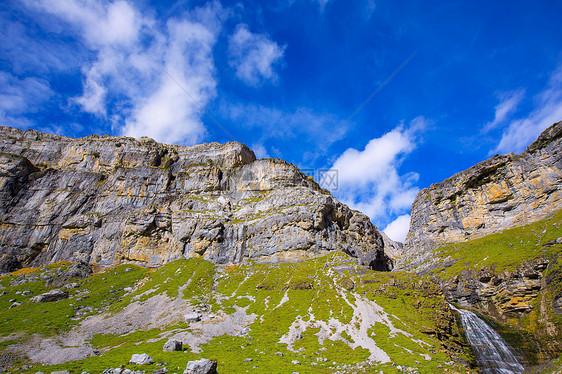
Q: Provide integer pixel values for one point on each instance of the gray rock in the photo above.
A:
(72, 285)
(53, 295)
(60, 372)
(172, 345)
(192, 317)
(141, 359)
(202, 366)
(292, 217)
(295, 362)
(248, 360)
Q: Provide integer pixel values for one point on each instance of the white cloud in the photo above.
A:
(101, 23)
(19, 97)
(148, 80)
(508, 104)
(397, 230)
(173, 111)
(254, 56)
(547, 111)
(369, 180)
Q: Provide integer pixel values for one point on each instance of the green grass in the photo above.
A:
(276, 295)
(55, 317)
(503, 250)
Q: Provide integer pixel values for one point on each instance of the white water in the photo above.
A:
(493, 354)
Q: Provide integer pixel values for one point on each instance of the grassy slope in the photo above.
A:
(277, 295)
(504, 250)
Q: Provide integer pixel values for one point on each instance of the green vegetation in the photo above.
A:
(505, 250)
(333, 315)
(97, 292)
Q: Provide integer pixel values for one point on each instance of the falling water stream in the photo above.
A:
(493, 354)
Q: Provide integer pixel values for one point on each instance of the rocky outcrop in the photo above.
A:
(504, 294)
(104, 200)
(523, 304)
(499, 193)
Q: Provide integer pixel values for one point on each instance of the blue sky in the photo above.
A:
(393, 95)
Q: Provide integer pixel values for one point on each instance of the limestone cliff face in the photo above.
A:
(106, 200)
(499, 193)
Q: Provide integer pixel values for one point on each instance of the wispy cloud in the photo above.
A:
(312, 130)
(508, 104)
(254, 56)
(148, 79)
(19, 97)
(547, 111)
(369, 180)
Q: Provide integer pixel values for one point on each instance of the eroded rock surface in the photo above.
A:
(499, 193)
(104, 200)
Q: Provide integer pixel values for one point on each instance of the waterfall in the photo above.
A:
(493, 354)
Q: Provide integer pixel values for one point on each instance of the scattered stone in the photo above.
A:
(172, 346)
(128, 270)
(54, 295)
(128, 289)
(248, 360)
(279, 354)
(203, 366)
(14, 305)
(295, 362)
(160, 371)
(192, 317)
(27, 293)
(141, 359)
(72, 285)
(60, 372)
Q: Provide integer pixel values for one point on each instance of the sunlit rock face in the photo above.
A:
(106, 200)
(499, 193)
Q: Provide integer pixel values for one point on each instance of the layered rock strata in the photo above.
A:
(499, 193)
(104, 200)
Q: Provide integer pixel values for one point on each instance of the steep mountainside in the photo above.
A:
(499, 193)
(105, 200)
(491, 236)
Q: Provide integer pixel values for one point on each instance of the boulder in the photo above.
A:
(172, 345)
(203, 366)
(192, 317)
(54, 295)
(141, 359)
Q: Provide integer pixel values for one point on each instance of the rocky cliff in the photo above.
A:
(106, 200)
(499, 193)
